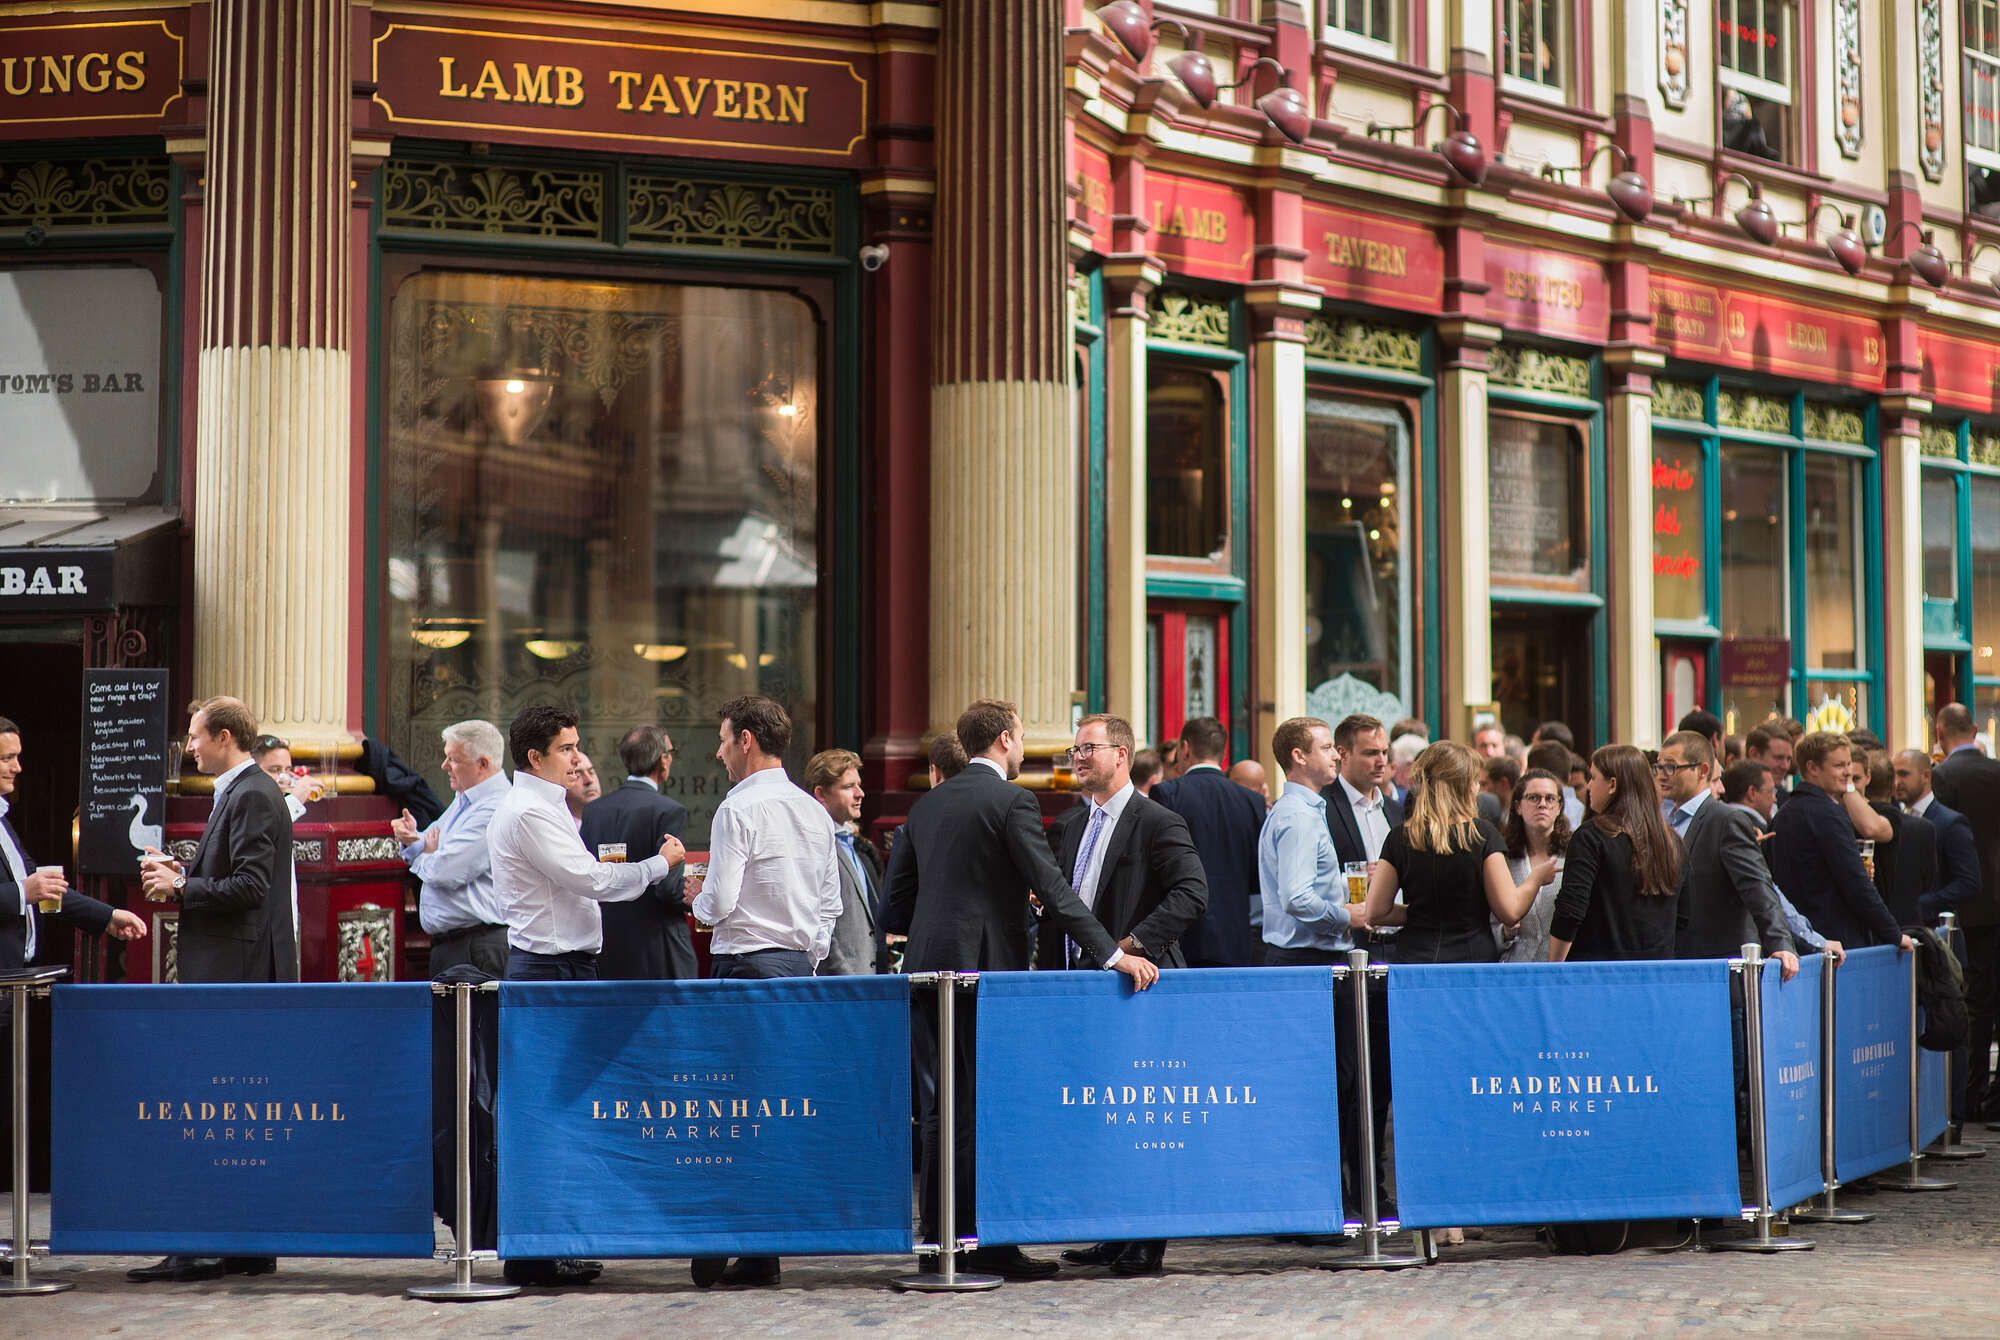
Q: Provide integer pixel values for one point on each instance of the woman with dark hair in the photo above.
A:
(1536, 831)
(1450, 865)
(1621, 872)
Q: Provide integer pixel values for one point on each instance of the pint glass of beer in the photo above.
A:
(1357, 881)
(611, 853)
(50, 904)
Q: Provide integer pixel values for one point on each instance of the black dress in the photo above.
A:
(1600, 910)
(1448, 916)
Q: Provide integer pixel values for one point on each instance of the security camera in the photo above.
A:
(874, 256)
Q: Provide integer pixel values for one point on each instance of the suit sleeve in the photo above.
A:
(900, 905)
(1958, 870)
(1176, 867)
(670, 821)
(1835, 839)
(1743, 866)
(1037, 869)
(85, 913)
(252, 856)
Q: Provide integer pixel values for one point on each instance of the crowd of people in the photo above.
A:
(1498, 850)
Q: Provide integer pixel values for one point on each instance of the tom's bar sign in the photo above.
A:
(519, 85)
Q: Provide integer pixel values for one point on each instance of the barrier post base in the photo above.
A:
(10, 1285)
(1372, 1257)
(1909, 1179)
(1955, 1152)
(1831, 1214)
(1762, 1242)
(460, 1291)
(939, 1284)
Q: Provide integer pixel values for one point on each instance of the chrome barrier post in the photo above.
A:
(949, 1244)
(462, 1288)
(1752, 968)
(19, 986)
(1373, 1227)
(1949, 1145)
(1911, 1178)
(1827, 1211)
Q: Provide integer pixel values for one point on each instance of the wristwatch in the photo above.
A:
(180, 881)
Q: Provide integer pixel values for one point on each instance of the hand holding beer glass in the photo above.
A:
(157, 873)
(46, 886)
(1356, 873)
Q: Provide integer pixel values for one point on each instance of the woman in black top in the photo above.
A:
(1621, 871)
(1451, 866)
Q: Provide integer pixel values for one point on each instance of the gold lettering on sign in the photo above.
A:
(1805, 337)
(1202, 225)
(1095, 195)
(1543, 290)
(73, 72)
(538, 85)
(1366, 254)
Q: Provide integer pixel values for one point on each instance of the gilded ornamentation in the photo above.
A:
(307, 852)
(1985, 448)
(500, 201)
(1847, 77)
(365, 849)
(1365, 345)
(1835, 423)
(1753, 413)
(1186, 319)
(1930, 87)
(1677, 400)
(1938, 439)
(166, 938)
(1079, 297)
(367, 949)
(182, 850)
(84, 193)
(1673, 45)
(738, 216)
(1538, 370)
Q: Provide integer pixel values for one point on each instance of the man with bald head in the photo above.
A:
(1249, 772)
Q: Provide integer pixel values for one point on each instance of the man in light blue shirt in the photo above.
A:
(457, 906)
(1307, 919)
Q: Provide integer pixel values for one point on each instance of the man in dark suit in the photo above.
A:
(1906, 866)
(1813, 857)
(858, 946)
(1726, 900)
(975, 851)
(1957, 882)
(235, 921)
(645, 939)
(1969, 782)
(1360, 811)
(1224, 820)
(1134, 865)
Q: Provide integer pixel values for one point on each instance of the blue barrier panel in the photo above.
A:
(1871, 1082)
(1792, 1122)
(1210, 1099)
(704, 1118)
(1933, 1103)
(283, 1120)
(1543, 1093)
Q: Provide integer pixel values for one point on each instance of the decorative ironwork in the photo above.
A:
(1186, 319)
(166, 938)
(1678, 400)
(1753, 413)
(365, 849)
(307, 851)
(737, 216)
(1984, 448)
(1538, 370)
(1673, 46)
(1363, 344)
(182, 850)
(1938, 439)
(495, 200)
(1835, 423)
(367, 949)
(1930, 87)
(1847, 77)
(52, 194)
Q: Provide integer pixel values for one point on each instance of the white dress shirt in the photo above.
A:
(773, 874)
(457, 878)
(1920, 809)
(1369, 816)
(17, 870)
(1086, 884)
(548, 885)
(223, 781)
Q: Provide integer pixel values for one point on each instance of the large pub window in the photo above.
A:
(1363, 25)
(1534, 47)
(1756, 69)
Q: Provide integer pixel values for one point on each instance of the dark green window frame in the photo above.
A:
(1961, 450)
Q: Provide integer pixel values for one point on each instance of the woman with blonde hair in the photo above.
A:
(1450, 865)
(1621, 872)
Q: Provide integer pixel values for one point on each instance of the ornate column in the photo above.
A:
(1628, 509)
(1906, 716)
(1464, 535)
(1003, 581)
(272, 452)
(1129, 282)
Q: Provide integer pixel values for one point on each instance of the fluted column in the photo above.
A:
(1635, 656)
(1003, 588)
(1465, 542)
(271, 429)
(1906, 712)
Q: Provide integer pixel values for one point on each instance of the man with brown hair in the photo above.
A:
(858, 946)
(1813, 856)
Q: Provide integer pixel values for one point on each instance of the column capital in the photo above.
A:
(1278, 310)
(1128, 282)
(1465, 342)
(1899, 414)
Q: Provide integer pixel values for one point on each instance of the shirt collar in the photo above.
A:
(489, 789)
(1973, 745)
(1119, 800)
(1922, 806)
(646, 782)
(1197, 767)
(5, 805)
(998, 771)
(761, 777)
(1354, 796)
(1305, 793)
(226, 780)
(1692, 805)
(542, 791)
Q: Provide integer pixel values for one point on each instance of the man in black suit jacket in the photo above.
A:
(236, 919)
(1906, 866)
(1360, 811)
(647, 938)
(1133, 864)
(1969, 782)
(1957, 883)
(1726, 900)
(1224, 819)
(1813, 857)
(971, 852)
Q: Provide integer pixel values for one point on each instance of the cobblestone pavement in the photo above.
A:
(1928, 1265)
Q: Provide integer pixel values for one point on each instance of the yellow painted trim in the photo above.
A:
(180, 72)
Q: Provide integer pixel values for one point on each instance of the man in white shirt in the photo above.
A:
(457, 905)
(772, 894)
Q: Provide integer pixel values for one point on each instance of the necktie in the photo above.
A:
(1090, 836)
(1681, 820)
(853, 858)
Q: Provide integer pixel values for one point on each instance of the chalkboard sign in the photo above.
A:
(124, 768)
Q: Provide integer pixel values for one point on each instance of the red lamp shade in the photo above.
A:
(1465, 157)
(1758, 219)
(1930, 264)
(1634, 198)
(1127, 22)
(1197, 75)
(1287, 110)
(1845, 247)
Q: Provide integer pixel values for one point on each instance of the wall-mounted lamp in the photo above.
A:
(1284, 107)
(1926, 260)
(1628, 190)
(1461, 150)
(1845, 246)
(1756, 218)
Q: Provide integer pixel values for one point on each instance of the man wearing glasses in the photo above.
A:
(1726, 899)
(646, 939)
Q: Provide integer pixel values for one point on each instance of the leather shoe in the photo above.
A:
(541, 1274)
(249, 1265)
(1103, 1254)
(164, 1269)
(1009, 1263)
(752, 1272)
(707, 1270)
(196, 1268)
(1140, 1258)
